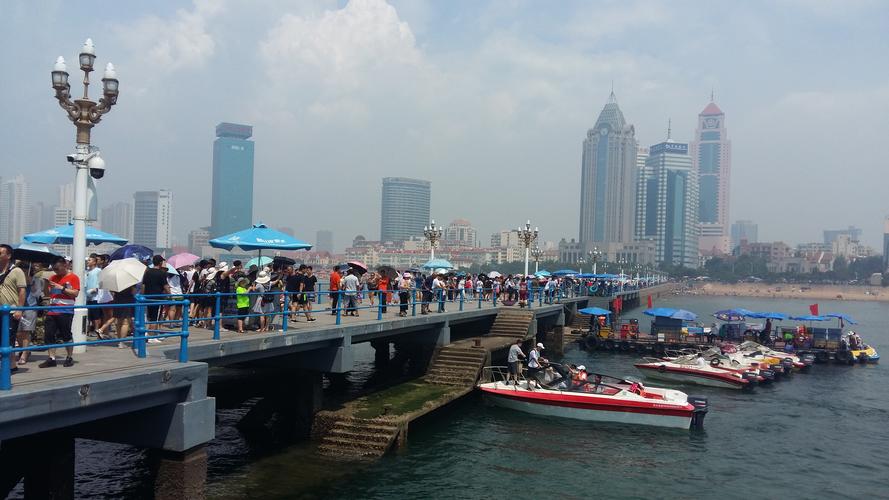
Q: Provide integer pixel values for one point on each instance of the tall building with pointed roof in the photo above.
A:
(608, 179)
(711, 152)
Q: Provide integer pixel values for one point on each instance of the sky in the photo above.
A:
(490, 101)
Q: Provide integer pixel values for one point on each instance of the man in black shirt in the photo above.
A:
(293, 285)
(308, 291)
(154, 282)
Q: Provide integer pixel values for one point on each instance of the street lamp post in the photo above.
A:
(433, 234)
(85, 113)
(580, 261)
(622, 261)
(594, 255)
(536, 252)
(526, 237)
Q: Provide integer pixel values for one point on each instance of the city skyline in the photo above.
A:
(417, 97)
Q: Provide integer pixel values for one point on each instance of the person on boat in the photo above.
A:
(512, 361)
(535, 365)
(765, 336)
(579, 378)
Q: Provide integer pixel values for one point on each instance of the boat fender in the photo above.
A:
(662, 368)
(714, 362)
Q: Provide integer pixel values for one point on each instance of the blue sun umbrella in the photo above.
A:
(768, 315)
(64, 235)
(259, 237)
(565, 272)
(259, 262)
(669, 312)
(138, 252)
(438, 264)
(595, 311)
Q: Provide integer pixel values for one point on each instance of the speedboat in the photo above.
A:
(777, 357)
(695, 369)
(602, 399)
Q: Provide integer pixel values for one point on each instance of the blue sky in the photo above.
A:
(488, 100)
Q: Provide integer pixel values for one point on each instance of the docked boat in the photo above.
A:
(777, 357)
(602, 399)
(695, 369)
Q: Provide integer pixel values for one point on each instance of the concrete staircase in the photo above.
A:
(454, 365)
(353, 438)
(512, 323)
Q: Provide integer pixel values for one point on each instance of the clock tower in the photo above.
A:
(711, 156)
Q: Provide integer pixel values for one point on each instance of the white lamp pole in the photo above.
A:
(85, 114)
(526, 237)
(433, 234)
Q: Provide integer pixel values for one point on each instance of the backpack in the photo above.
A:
(209, 286)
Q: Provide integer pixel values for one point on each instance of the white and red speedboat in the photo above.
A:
(695, 369)
(602, 398)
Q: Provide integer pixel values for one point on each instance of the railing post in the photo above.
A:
(481, 295)
(217, 312)
(285, 312)
(183, 337)
(461, 292)
(339, 307)
(494, 297)
(413, 302)
(381, 296)
(540, 293)
(5, 351)
(140, 327)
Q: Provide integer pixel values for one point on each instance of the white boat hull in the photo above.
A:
(590, 415)
(689, 378)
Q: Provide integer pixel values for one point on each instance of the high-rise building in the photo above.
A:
(646, 195)
(744, 230)
(673, 209)
(886, 244)
(831, 235)
(608, 179)
(460, 233)
(405, 208)
(324, 241)
(66, 196)
(711, 152)
(118, 219)
(42, 216)
(198, 239)
(15, 210)
(152, 219)
(232, 194)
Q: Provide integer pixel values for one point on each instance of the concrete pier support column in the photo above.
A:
(555, 340)
(49, 470)
(181, 474)
(560, 320)
(443, 337)
(381, 353)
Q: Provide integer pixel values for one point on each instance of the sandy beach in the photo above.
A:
(789, 291)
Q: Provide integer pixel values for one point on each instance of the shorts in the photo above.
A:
(94, 313)
(300, 299)
(123, 312)
(513, 367)
(58, 328)
(243, 311)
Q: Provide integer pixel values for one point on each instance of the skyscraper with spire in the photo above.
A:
(608, 179)
(711, 153)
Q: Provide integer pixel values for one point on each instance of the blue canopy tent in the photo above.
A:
(809, 317)
(64, 235)
(669, 312)
(259, 237)
(768, 315)
(438, 264)
(842, 317)
(565, 272)
(595, 311)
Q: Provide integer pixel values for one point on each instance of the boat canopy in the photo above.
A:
(669, 312)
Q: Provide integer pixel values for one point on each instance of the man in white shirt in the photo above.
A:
(535, 365)
(438, 292)
(350, 290)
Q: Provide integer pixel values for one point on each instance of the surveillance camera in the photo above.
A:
(97, 167)
(71, 158)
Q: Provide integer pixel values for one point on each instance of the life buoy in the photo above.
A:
(714, 362)
(593, 288)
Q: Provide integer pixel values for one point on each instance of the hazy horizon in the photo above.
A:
(490, 101)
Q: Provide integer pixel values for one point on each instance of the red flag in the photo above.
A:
(649, 302)
(618, 304)
(813, 309)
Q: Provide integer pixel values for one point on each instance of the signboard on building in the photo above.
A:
(678, 148)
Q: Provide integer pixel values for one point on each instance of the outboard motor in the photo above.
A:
(751, 378)
(787, 363)
(768, 375)
(701, 406)
(808, 359)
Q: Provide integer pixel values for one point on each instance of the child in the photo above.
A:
(243, 302)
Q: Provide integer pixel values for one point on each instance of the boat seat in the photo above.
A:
(651, 395)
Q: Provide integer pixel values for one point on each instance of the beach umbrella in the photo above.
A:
(280, 260)
(121, 274)
(259, 237)
(595, 311)
(731, 314)
(543, 273)
(33, 252)
(64, 235)
(437, 263)
(357, 265)
(842, 317)
(137, 252)
(182, 260)
(565, 272)
(259, 262)
(494, 274)
(768, 315)
(669, 312)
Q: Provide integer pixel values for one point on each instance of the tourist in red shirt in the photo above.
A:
(334, 288)
(62, 289)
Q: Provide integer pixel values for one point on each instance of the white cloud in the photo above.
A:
(181, 41)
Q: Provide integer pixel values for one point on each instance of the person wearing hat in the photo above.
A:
(512, 361)
(265, 303)
(243, 302)
(404, 293)
(535, 365)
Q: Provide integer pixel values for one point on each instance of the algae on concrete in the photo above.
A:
(400, 399)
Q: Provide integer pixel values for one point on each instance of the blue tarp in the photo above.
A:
(809, 318)
(259, 237)
(768, 315)
(595, 311)
(844, 317)
(64, 235)
(669, 312)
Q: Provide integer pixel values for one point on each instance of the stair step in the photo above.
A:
(334, 451)
(356, 443)
(354, 434)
